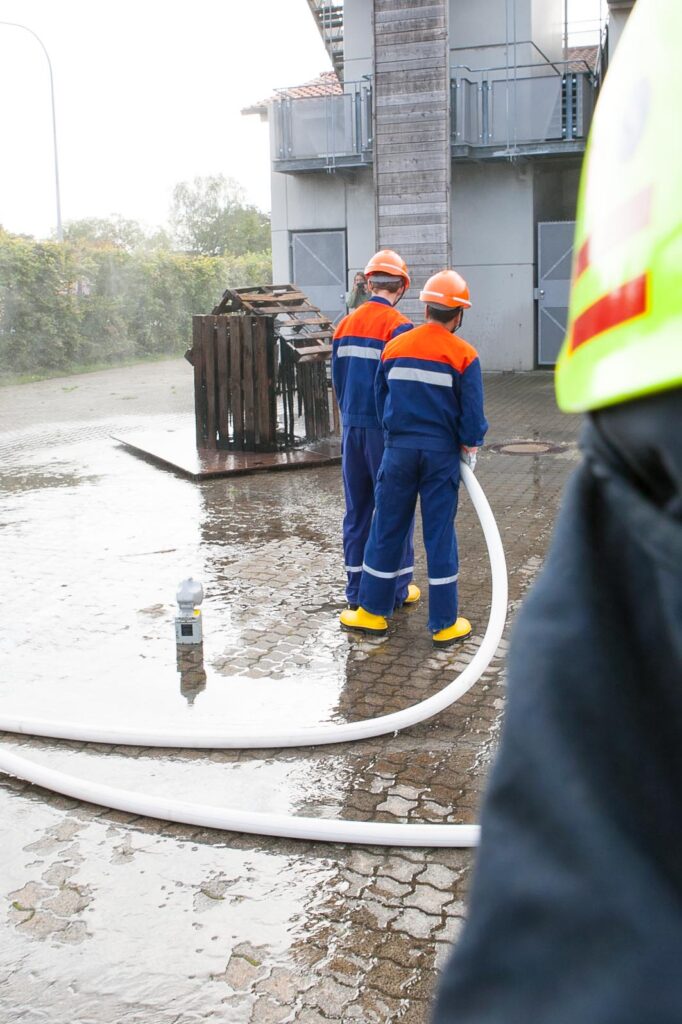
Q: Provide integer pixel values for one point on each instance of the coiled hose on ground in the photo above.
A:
(262, 823)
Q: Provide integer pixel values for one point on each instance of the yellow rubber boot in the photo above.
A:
(459, 630)
(363, 622)
(413, 594)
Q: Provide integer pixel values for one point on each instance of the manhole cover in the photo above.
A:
(526, 448)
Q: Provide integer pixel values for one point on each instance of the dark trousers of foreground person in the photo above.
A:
(576, 904)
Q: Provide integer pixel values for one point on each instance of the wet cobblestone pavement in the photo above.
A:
(109, 917)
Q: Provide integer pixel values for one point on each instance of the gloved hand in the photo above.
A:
(468, 456)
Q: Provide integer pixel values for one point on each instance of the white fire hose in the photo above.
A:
(261, 823)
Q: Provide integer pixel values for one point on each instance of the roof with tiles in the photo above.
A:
(326, 84)
(579, 56)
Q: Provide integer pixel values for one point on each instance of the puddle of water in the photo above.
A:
(219, 915)
(94, 571)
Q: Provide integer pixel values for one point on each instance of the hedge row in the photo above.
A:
(64, 306)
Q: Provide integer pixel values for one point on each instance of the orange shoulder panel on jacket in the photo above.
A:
(371, 320)
(432, 343)
(340, 329)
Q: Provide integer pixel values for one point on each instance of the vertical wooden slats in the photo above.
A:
(236, 379)
(335, 413)
(248, 390)
(199, 404)
(210, 376)
(271, 351)
(261, 382)
(287, 376)
(223, 389)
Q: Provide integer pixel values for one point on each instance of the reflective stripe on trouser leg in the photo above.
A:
(438, 493)
(395, 498)
(406, 562)
(362, 448)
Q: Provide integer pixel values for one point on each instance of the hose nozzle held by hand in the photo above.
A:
(468, 456)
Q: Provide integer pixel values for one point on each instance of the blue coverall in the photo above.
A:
(358, 342)
(429, 395)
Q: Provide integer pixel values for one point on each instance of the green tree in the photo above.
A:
(210, 218)
(115, 232)
(89, 301)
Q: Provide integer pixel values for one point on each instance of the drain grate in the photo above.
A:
(527, 448)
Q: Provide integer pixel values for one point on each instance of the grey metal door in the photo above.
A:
(319, 269)
(555, 259)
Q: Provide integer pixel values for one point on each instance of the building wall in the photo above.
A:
(481, 29)
(547, 27)
(495, 212)
(478, 23)
(357, 39)
(303, 202)
(493, 248)
(317, 202)
(360, 220)
(556, 190)
(617, 22)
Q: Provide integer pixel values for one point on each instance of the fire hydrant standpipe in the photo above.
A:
(262, 823)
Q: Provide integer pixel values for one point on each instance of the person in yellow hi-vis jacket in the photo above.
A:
(576, 906)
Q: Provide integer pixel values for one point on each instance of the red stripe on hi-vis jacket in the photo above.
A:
(612, 310)
(625, 221)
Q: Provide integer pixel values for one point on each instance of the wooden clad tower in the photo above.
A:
(412, 136)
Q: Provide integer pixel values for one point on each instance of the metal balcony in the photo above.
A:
(324, 132)
(531, 115)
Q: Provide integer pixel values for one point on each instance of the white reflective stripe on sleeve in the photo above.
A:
(443, 579)
(359, 351)
(353, 568)
(443, 380)
(386, 575)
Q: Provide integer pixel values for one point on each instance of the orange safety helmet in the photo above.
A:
(446, 290)
(386, 261)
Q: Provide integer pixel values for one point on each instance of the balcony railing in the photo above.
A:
(534, 113)
(325, 131)
(527, 112)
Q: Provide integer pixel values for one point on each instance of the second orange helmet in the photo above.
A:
(447, 288)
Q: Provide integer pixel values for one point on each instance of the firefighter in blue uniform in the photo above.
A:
(430, 399)
(357, 346)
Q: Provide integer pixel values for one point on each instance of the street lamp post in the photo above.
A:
(14, 24)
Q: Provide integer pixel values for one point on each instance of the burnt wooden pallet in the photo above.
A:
(259, 343)
(235, 382)
(302, 326)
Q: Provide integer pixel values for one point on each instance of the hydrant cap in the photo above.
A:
(190, 593)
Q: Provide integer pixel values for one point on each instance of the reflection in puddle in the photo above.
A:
(24, 480)
(190, 661)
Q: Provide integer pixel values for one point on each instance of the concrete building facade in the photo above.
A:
(455, 136)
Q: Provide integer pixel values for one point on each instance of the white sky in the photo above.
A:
(148, 93)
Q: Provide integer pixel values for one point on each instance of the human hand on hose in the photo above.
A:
(468, 456)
